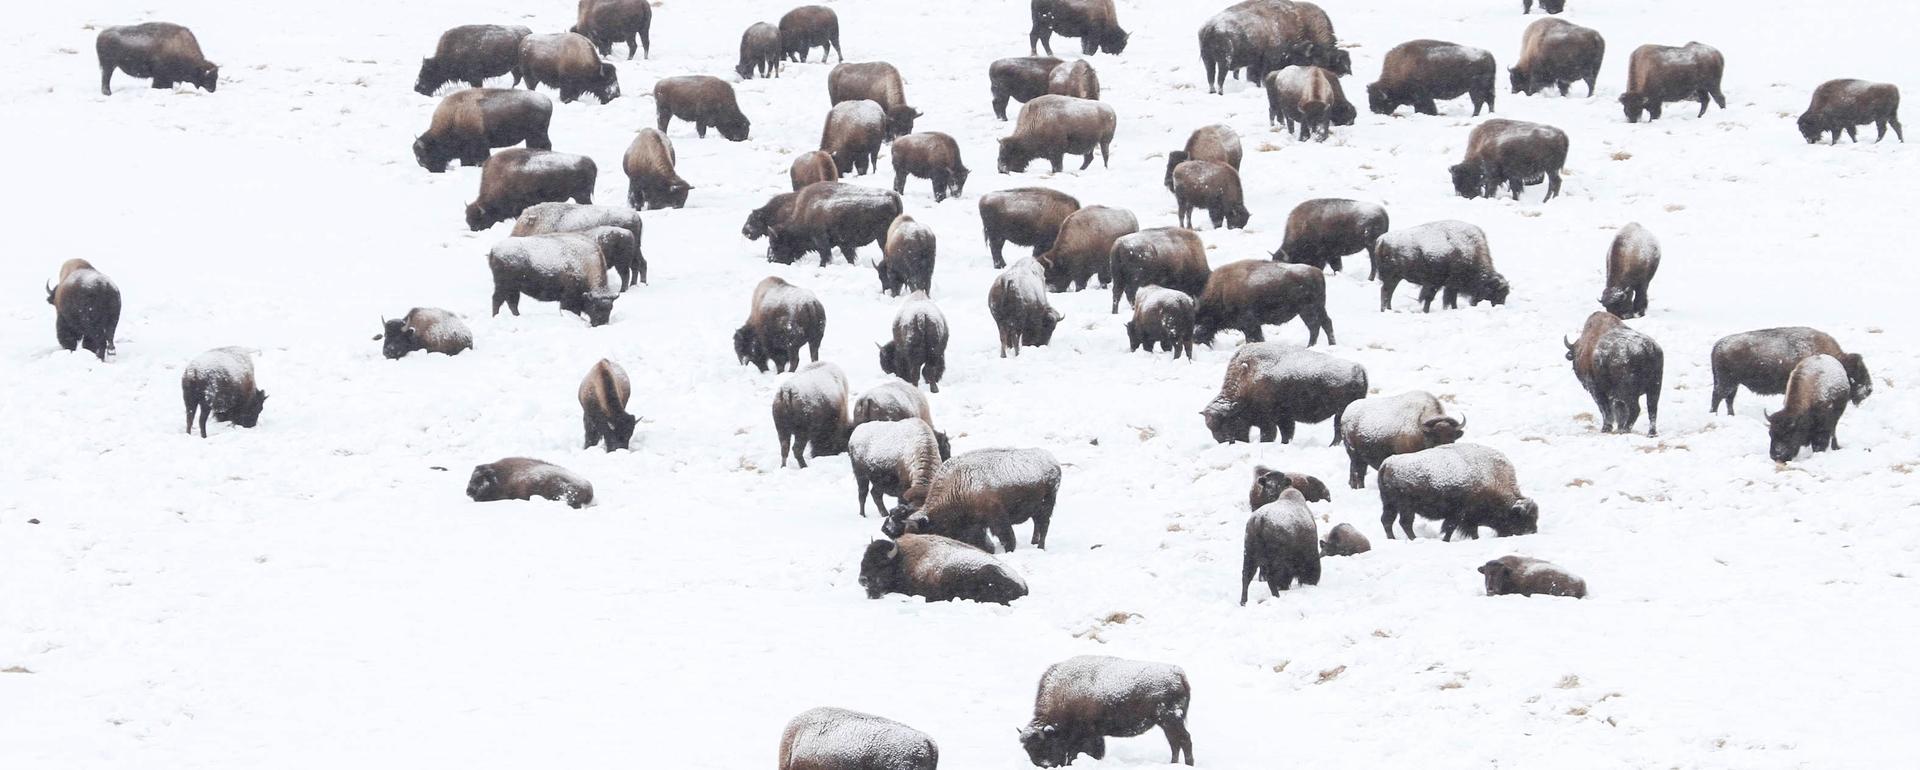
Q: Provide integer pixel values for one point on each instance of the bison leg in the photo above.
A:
(1041, 36)
(1653, 412)
(636, 196)
(1186, 215)
(1003, 533)
(1854, 134)
(1356, 470)
(996, 245)
(1553, 184)
(1426, 298)
(1626, 412)
(1094, 745)
(662, 116)
(1000, 104)
(1406, 525)
(942, 182)
(1248, 568)
(1425, 106)
(593, 432)
(106, 81)
(1447, 527)
(1640, 301)
(159, 82)
(1387, 285)
(700, 129)
(900, 183)
(1898, 132)
(1450, 298)
(1175, 727)
(205, 411)
(1286, 431)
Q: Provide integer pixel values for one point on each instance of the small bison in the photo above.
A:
(810, 408)
(1321, 231)
(1019, 306)
(1464, 486)
(1344, 540)
(424, 328)
(568, 268)
(1631, 263)
(982, 491)
(167, 53)
(1510, 152)
(1075, 78)
(470, 122)
(1763, 360)
(1172, 257)
(781, 319)
(907, 257)
(837, 739)
(1085, 698)
(876, 81)
(1557, 53)
(1272, 387)
(1282, 545)
(812, 166)
(515, 179)
(1095, 22)
(1083, 246)
(1019, 78)
(1448, 256)
(1379, 427)
(933, 156)
(470, 54)
(1218, 142)
(807, 26)
(219, 383)
(1816, 397)
(1527, 576)
(892, 457)
(919, 346)
(853, 134)
(86, 308)
(542, 218)
(1025, 216)
(567, 61)
(827, 215)
(608, 21)
(702, 100)
(938, 569)
(1305, 97)
(524, 478)
(1618, 366)
(1213, 186)
(760, 52)
(1250, 293)
(1657, 74)
(1054, 126)
(603, 406)
(1162, 317)
(1840, 105)
(652, 182)
(1419, 72)
(1269, 483)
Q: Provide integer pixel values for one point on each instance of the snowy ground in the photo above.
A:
(317, 593)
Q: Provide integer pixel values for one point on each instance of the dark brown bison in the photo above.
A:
(812, 166)
(1019, 306)
(524, 478)
(1263, 36)
(1164, 317)
(1095, 22)
(219, 383)
(810, 409)
(1618, 366)
(760, 52)
(933, 156)
(1763, 359)
(1083, 246)
(1816, 398)
(879, 82)
(781, 319)
(838, 739)
(1075, 78)
(1657, 74)
(1269, 483)
(424, 328)
(1464, 486)
(919, 345)
(1218, 142)
(1054, 126)
(652, 182)
(1250, 293)
(1419, 72)
(762, 222)
(86, 308)
(1213, 186)
(568, 62)
(568, 268)
(982, 491)
(470, 122)
(807, 26)
(1282, 545)
(853, 134)
(1528, 576)
(1557, 53)
(1024, 216)
(833, 214)
(1085, 698)
(1273, 387)
(1320, 232)
(1378, 427)
(608, 21)
(167, 53)
(1020, 78)
(1840, 105)
(513, 179)
(471, 53)
(542, 218)
(907, 257)
(1448, 256)
(1510, 152)
(703, 100)
(1631, 263)
(892, 457)
(1306, 97)
(938, 569)
(1172, 257)
(603, 406)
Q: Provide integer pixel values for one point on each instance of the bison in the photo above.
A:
(1618, 366)
(1321, 231)
(919, 345)
(1026, 216)
(1085, 698)
(167, 53)
(1213, 186)
(652, 182)
(1019, 78)
(1247, 294)
(1095, 22)
(810, 408)
(424, 328)
(1164, 317)
(1269, 483)
(877, 81)
(1763, 360)
(907, 257)
(524, 478)
(982, 491)
(470, 122)
(1464, 486)
(1344, 540)
(1272, 387)
(1557, 53)
(938, 569)
(1657, 74)
(603, 406)
(543, 218)
(608, 21)
(933, 156)
(1018, 303)
(1172, 257)
(781, 319)
(853, 134)
(1054, 126)
(1075, 78)
(472, 53)
(1528, 576)
(892, 457)
(1307, 97)
(568, 268)
(1840, 105)
(567, 61)
(86, 308)
(1817, 393)
(1083, 246)
(219, 383)
(514, 179)
(760, 52)
(895, 400)
(807, 26)
(1511, 152)
(1379, 427)
(1631, 263)
(812, 166)
(824, 738)
(833, 214)
(1419, 72)
(703, 100)
(1282, 545)
(1448, 256)
(1218, 142)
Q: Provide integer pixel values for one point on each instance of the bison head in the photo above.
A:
(429, 79)
(478, 218)
(1442, 430)
(887, 353)
(746, 345)
(400, 338)
(430, 155)
(1238, 215)
(1811, 129)
(1634, 105)
(1518, 81)
(1339, 61)
(1857, 374)
(484, 485)
(1786, 433)
(1267, 486)
(957, 182)
(208, 77)
(1499, 577)
(1014, 156)
(735, 129)
(900, 120)
(597, 306)
(1469, 179)
(1378, 100)
(1043, 328)
(677, 193)
(756, 225)
(247, 414)
(607, 87)
(1520, 518)
(945, 447)
(1492, 287)
(622, 435)
(1115, 40)
(1223, 421)
(1342, 113)
(1617, 301)
(880, 570)
(1045, 746)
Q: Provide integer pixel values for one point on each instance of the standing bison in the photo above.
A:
(984, 491)
(1816, 397)
(877, 81)
(652, 182)
(567, 61)
(219, 383)
(1321, 231)
(1162, 317)
(608, 21)
(1448, 256)
(86, 308)
(1271, 386)
(1082, 247)
(810, 409)
(782, 319)
(760, 52)
(470, 122)
(1085, 698)
(852, 136)
(1019, 306)
(1025, 216)
(472, 53)
(1763, 359)
(167, 53)
(1172, 257)
(1631, 263)
(1380, 427)
(833, 214)
(1218, 142)
(807, 26)
(1464, 486)
(542, 218)
(702, 100)
(838, 739)
(1840, 105)
(1250, 293)
(568, 268)
(603, 397)
(1420, 72)
(515, 179)
(1307, 97)
(1213, 186)
(1052, 127)
(1282, 545)
(1657, 74)
(919, 345)
(1510, 152)
(812, 166)
(1557, 53)
(907, 257)
(1019, 78)
(1618, 366)
(1095, 22)
(892, 457)
(933, 156)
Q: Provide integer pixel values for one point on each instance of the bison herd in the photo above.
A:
(951, 511)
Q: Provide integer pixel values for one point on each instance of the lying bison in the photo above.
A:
(982, 491)
(568, 62)
(424, 328)
(1510, 152)
(1657, 74)
(1282, 545)
(470, 122)
(1631, 263)
(608, 21)
(1618, 366)
(1272, 387)
(167, 53)
(1527, 576)
(1449, 256)
(1025, 216)
(542, 218)
(703, 100)
(1321, 231)
(524, 478)
(876, 81)
(1420, 72)
(1816, 398)
(1019, 78)
(807, 26)
(567, 268)
(1763, 359)
(1052, 127)
(1085, 698)
(781, 319)
(1269, 483)
(472, 53)
(1379, 427)
(1840, 105)
(513, 180)
(1464, 486)
(919, 345)
(86, 308)
(219, 383)
(1082, 247)
(938, 569)
(810, 410)
(1247, 294)
(1344, 540)
(1557, 53)
(1095, 22)
(603, 395)
(933, 156)
(824, 738)
(1172, 257)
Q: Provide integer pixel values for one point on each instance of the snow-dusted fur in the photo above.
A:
(1526, 576)
(937, 569)
(829, 738)
(524, 478)
(1084, 699)
(1816, 398)
(985, 491)
(1378, 427)
(1464, 486)
(893, 458)
(1282, 545)
(810, 411)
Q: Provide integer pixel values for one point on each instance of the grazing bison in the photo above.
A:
(1464, 486)
(1083, 245)
(919, 345)
(1246, 36)
(1307, 97)
(907, 257)
(1085, 698)
(985, 490)
(761, 223)
(807, 26)
(567, 61)
(608, 21)
(1448, 256)
(1419, 72)
(892, 457)
(1618, 366)
(1054, 126)
(1379, 427)
(1272, 387)
(1075, 78)
(1557, 53)
(810, 408)
(652, 182)
(812, 166)
(567, 268)
(1026, 216)
(781, 319)
(1657, 74)
(933, 156)
(877, 81)
(833, 214)
(1019, 306)
(542, 218)
(470, 122)
(760, 52)
(524, 478)
(938, 569)
(86, 308)
(1631, 263)
(838, 739)
(1164, 317)
(1528, 576)
(1282, 545)
(1763, 359)
(1020, 78)
(1321, 231)
(853, 134)
(424, 328)
(1816, 397)
(1269, 483)
(1247, 294)
(168, 53)
(472, 53)
(1840, 105)
(1213, 186)
(603, 406)
(1095, 22)
(514, 179)
(219, 383)
(1511, 152)
(1344, 540)
(1172, 257)
(1218, 142)
(703, 100)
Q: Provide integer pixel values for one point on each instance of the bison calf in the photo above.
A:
(1162, 317)
(220, 383)
(86, 308)
(1269, 483)
(603, 406)
(424, 328)
(1527, 576)
(759, 52)
(938, 569)
(1218, 142)
(1631, 263)
(1085, 698)
(1282, 545)
(1172, 257)
(524, 478)
(812, 166)
(1019, 78)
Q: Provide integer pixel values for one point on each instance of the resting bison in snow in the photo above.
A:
(1247, 294)
(1083, 246)
(876, 81)
(652, 182)
(852, 136)
(603, 406)
(472, 53)
(470, 122)
(1631, 263)
(567, 268)
(1272, 387)
(514, 179)
(168, 53)
(1556, 53)
(1218, 142)
(424, 328)
(919, 345)
(1269, 483)
(219, 383)
(827, 215)
(1162, 317)
(807, 26)
(568, 62)
(1321, 231)
(907, 257)
(1840, 105)
(1282, 545)
(1511, 152)
(1464, 486)
(1379, 427)
(781, 319)
(892, 457)
(1085, 698)
(1052, 127)
(982, 491)
(837, 739)
(1448, 256)
(1307, 97)
(1618, 366)
(1816, 397)
(608, 21)
(1095, 22)
(1344, 540)
(1419, 72)
(524, 478)
(86, 308)
(1528, 576)
(1213, 186)
(759, 52)
(810, 408)
(933, 156)
(812, 166)
(1657, 74)
(1026, 216)
(938, 569)
(1075, 78)
(1763, 359)
(1172, 257)
(702, 100)
(1019, 78)
(1020, 309)
(542, 218)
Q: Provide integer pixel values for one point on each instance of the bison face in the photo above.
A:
(1341, 63)
(429, 79)
(1267, 485)
(1343, 113)
(1517, 80)
(1617, 301)
(247, 414)
(1633, 105)
(1810, 128)
(1013, 157)
(1043, 328)
(597, 306)
(744, 70)
(208, 77)
(1237, 216)
(1856, 367)
(887, 353)
(429, 156)
(1493, 287)
(484, 485)
(1786, 434)
(1520, 518)
(735, 130)
(1045, 746)
(478, 218)
(756, 226)
(1115, 41)
(622, 435)
(400, 339)
(608, 87)
(1222, 423)
(1378, 100)
(677, 193)
(1439, 431)
(746, 345)
(880, 571)
(1499, 577)
(1469, 181)
(900, 120)
(958, 182)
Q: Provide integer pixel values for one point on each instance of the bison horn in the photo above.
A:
(1563, 341)
(49, 290)
(1461, 421)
